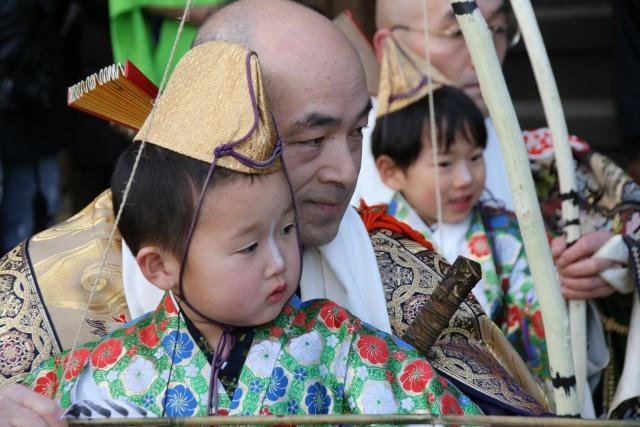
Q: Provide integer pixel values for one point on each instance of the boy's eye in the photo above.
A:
(249, 249)
(288, 229)
(476, 157)
(444, 164)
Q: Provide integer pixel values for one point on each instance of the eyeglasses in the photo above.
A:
(510, 33)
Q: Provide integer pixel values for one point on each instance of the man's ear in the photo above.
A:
(378, 41)
(391, 175)
(159, 267)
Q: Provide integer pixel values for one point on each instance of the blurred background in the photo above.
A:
(594, 47)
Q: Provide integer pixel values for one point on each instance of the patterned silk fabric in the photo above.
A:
(314, 358)
(609, 200)
(471, 350)
(493, 240)
(45, 284)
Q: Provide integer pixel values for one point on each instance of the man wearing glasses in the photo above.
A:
(581, 273)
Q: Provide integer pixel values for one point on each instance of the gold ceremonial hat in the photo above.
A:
(403, 77)
(215, 97)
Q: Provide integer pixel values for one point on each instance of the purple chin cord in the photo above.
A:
(228, 338)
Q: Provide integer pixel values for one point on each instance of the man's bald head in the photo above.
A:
(394, 12)
(316, 87)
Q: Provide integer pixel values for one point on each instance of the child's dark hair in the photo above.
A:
(162, 199)
(399, 134)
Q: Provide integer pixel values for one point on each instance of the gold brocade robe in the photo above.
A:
(46, 282)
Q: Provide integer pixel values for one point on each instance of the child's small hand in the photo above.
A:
(579, 270)
(20, 406)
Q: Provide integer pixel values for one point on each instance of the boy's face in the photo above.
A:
(461, 174)
(244, 263)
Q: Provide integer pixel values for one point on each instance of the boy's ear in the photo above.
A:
(378, 40)
(392, 176)
(159, 267)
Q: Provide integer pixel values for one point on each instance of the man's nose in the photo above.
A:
(341, 165)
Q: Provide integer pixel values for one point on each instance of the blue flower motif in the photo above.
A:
(464, 400)
(300, 374)
(293, 407)
(179, 402)
(237, 395)
(392, 207)
(148, 400)
(181, 343)
(278, 385)
(317, 400)
(255, 386)
(498, 221)
(339, 390)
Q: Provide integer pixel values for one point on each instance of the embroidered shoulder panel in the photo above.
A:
(27, 337)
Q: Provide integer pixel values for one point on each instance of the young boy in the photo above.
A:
(471, 227)
(212, 224)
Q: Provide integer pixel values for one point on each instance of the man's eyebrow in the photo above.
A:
(313, 120)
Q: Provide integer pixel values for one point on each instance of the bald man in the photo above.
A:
(585, 273)
(316, 86)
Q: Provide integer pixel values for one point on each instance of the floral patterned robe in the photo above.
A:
(314, 358)
(493, 240)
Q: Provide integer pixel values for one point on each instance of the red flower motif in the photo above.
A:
(514, 316)
(131, 329)
(265, 411)
(132, 351)
(120, 319)
(536, 319)
(399, 355)
(163, 325)
(223, 412)
(443, 382)
(299, 319)
(310, 324)
(276, 331)
(478, 246)
(450, 405)
(169, 307)
(389, 377)
(351, 328)
(333, 315)
(374, 349)
(432, 397)
(73, 364)
(287, 310)
(47, 385)
(416, 375)
(148, 336)
(106, 353)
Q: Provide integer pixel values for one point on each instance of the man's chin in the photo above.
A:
(318, 235)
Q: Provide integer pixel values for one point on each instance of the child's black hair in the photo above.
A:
(162, 199)
(399, 134)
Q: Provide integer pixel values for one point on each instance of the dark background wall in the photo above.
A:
(580, 39)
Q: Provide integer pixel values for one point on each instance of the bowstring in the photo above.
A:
(125, 196)
(432, 127)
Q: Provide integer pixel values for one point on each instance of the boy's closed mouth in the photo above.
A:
(277, 293)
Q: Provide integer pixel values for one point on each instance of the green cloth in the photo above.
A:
(145, 39)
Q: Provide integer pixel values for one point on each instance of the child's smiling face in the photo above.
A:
(461, 175)
(244, 261)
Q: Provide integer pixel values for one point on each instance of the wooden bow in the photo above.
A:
(554, 311)
(565, 168)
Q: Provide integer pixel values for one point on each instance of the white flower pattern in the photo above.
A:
(139, 375)
(377, 398)
(306, 348)
(262, 356)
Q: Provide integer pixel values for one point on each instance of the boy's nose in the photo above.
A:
(463, 175)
